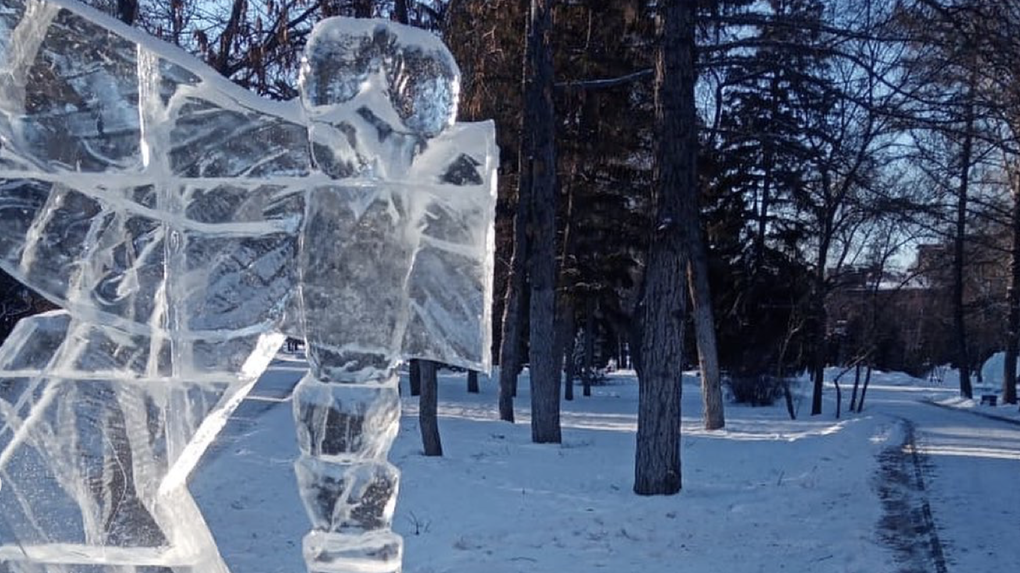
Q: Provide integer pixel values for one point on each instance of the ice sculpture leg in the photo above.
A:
(355, 262)
(93, 465)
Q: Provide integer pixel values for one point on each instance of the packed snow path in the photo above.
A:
(958, 501)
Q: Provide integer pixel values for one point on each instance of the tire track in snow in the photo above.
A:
(907, 525)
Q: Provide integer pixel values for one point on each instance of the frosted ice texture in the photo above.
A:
(185, 226)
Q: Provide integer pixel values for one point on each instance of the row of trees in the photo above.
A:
(713, 167)
(829, 136)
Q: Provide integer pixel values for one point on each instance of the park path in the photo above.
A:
(949, 488)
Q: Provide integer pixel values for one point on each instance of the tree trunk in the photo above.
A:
(959, 320)
(564, 344)
(400, 12)
(363, 8)
(565, 307)
(857, 384)
(414, 377)
(510, 341)
(540, 122)
(657, 460)
(768, 169)
(788, 398)
(127, 11)
(818, 353)
(513, 316)
(428, 405)
(588, 367)
(472, 382)
(1013, 302)
(704, 321)
(864, 389)
(839, 397)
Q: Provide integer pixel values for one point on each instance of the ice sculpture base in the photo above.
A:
(376, 552)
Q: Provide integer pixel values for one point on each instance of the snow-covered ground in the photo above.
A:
(766, 494)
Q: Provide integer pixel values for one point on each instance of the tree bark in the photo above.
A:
(565, 343)
(959, 319)
(704, 321)
(588, 366)
(864, 389)
(769, 164)
(230, 30)
(400, 11)
(428, 405)
(472, 382)
(839, 397)
(570, 371)
(857, 385)
(510, 338)
(1013, 301)
(363, 8)
(127, 11)
(540, 121)
(414, 377)
(657, 462)
(818, 292)
(818, 352)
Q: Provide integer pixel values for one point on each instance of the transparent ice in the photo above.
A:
(186, 227)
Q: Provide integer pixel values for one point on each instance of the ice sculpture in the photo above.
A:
(185, 226)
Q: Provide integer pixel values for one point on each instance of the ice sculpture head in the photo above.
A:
(401, 75)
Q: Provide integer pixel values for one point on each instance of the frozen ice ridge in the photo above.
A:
(185, 226)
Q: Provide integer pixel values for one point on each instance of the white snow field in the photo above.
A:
(766, 494)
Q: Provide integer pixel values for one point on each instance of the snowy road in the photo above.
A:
(968, 467)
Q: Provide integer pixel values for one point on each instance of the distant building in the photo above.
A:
(904, 318)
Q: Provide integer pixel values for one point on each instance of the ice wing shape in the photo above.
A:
(114, 157)
(161, 206)
(450, 285)
(106, 138)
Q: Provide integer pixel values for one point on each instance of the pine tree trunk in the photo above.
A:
(704, 321)
(959, 319)
(540, 121)
(472, 382)
(414, 377)
(657, 461)
(1013, 303)
(428, 405)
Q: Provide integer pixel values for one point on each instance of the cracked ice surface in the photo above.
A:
(184, 225)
